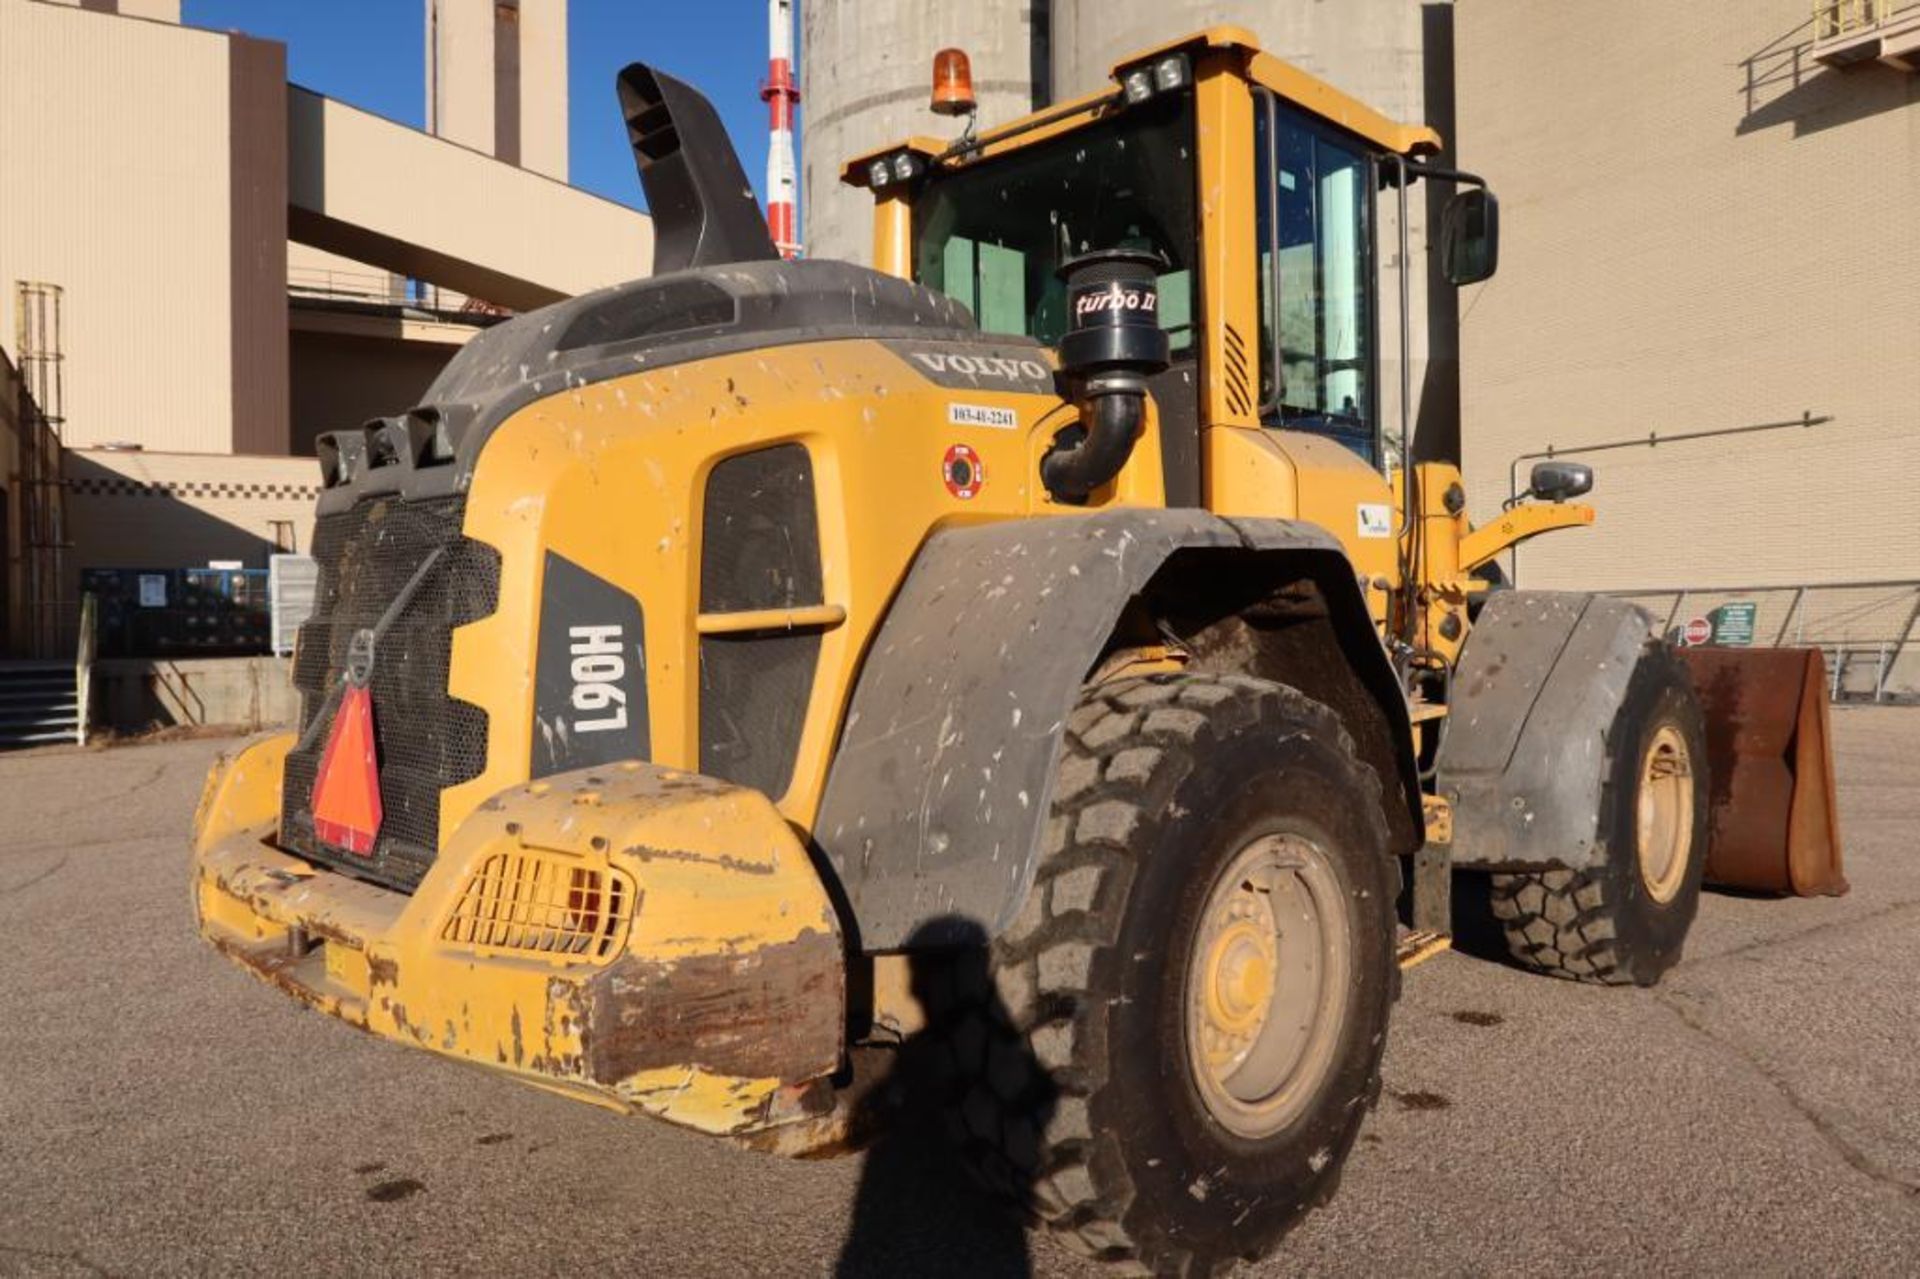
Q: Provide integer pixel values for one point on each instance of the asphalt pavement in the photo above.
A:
(160, 1112)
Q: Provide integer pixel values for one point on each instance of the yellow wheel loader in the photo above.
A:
(1035, 650)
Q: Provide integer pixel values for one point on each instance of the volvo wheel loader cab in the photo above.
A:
(1016, 658)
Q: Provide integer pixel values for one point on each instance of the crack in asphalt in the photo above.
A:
(47, 1254)
(29, 882)
(1687, 1009)
(78, 845)
(1812, 930)
(153, 777)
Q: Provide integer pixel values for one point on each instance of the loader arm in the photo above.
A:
(1517, 525)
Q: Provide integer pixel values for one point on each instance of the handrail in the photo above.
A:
(84, 654)
(1833, 19)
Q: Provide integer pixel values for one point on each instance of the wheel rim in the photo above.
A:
(1665, 814)
(1267, 984)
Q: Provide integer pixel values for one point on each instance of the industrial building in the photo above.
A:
(1705, 232)
(220, 265)
(1703, 242)
(1708, 229)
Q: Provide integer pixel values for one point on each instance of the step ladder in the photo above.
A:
(39, 704)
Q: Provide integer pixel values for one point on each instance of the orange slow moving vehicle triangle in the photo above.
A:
(346, 793)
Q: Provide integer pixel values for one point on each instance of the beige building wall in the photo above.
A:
(119, 157)
(496, 79)
(543, 87)
(152, 10)
(1703, 228)
(311, 270)
(481, 226)
(350, 369)
(164, 510)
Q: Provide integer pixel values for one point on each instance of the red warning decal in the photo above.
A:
(963, 472)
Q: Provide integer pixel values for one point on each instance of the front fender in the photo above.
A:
(936, 802)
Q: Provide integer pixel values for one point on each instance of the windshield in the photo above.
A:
(993, 237)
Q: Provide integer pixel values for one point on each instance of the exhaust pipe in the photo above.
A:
(702, 205)
(1114, 343)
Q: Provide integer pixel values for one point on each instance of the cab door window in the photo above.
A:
(1314, 228)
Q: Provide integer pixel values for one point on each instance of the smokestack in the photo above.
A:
(780, 94)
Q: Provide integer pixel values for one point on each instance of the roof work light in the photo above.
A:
(1165, 75)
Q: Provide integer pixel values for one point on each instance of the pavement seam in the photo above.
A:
(1687, 1009)
(1813, 930)
(47, 1254)
(25, 884)
(73, 845)
(153, 777)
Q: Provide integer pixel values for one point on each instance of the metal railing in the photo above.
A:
(1833, 19)
(376, 286)
(1868, 630)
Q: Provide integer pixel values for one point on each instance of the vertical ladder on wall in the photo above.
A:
(42, 359)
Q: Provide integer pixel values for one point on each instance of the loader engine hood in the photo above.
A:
(719, 288)
(431, 449)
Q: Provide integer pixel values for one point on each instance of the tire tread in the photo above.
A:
(1125, 746)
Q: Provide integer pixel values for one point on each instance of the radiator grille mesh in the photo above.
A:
(427, 740)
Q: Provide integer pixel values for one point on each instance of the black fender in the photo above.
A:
(935, 803)
(1523, 757)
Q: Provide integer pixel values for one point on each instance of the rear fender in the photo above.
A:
(1523, 757)
(936, 801)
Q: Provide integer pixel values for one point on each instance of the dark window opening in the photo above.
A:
(759, 549)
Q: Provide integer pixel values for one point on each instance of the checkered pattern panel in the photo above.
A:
(190, 488)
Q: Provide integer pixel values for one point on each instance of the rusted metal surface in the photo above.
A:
(718, 1004)
(1772, 825)
(752, 1014)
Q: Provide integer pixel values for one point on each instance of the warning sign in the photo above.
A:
(963, 472)
(1733, 623)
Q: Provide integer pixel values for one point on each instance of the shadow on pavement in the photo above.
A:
(935, 1130)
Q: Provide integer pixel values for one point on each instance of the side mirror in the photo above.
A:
(1558, 481)
(1470, 236)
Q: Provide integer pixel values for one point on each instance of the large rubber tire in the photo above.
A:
(1163, 782)
(1606, 925)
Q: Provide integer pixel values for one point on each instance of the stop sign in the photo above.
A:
(1697, 632)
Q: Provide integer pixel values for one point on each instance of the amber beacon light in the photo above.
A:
(952, 83)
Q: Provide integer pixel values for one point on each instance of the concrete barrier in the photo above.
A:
(137, 694)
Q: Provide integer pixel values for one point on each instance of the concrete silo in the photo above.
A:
(866, 69)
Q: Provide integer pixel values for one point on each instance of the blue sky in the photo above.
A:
(369, 53)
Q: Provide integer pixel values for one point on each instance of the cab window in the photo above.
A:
(993, 236)
(1314, 227)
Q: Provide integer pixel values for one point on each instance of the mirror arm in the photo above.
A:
(1459, 176)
